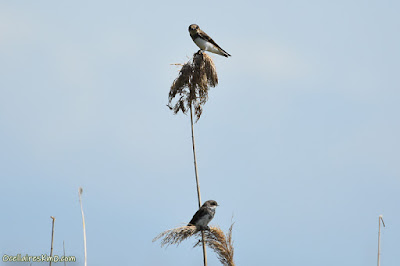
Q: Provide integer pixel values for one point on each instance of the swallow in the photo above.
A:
(204, 215)
(204, 42)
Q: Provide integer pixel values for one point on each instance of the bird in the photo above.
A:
(204, 42)
(204, 215)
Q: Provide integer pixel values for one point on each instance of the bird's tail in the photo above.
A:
(224, 53)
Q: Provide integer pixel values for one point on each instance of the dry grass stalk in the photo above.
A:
(221, 244)
(80, 191)
(176, 235)
(65, 263)
(192, 85)
(52, 237)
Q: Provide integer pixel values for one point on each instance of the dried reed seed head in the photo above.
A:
(204, 64)
(203, 94)
(221, 244)
(200, 77)
(179, 106)
(198, 110)
(186, 71)
(211, 71)
(198, 59)
(192, 94)
(176, 235)
(214, 238)
(199, 80)
(192, 85)
(181, 81)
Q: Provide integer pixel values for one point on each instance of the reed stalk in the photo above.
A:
(83, 222)
(52, 238)
(192, 86)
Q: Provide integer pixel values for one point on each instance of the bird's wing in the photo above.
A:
(204, 35)
(200, 213)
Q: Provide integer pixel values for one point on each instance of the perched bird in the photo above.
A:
(204, 215)
(204, 42)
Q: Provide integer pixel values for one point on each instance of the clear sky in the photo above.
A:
(299, 142)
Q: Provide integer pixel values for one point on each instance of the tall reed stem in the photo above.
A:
(65, 263)
(52, 238)
(379, 239)
(83, 222)
(197, 182)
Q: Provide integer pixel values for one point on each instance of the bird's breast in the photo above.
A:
(206, 45)
(201, 43)
(203, 221)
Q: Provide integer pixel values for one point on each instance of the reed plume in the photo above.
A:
(220, 243)
(175, 236)
(192, 85)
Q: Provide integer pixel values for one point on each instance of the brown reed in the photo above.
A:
(175, 236)
(220, 243)
(193, 83)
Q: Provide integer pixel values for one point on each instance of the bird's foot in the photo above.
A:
(202, 228)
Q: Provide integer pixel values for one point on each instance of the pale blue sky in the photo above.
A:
(299, 142)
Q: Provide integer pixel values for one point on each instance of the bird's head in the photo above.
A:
(193, 28)
(210, 204)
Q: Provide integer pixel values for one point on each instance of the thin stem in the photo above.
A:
(52, 238)
(65, 263)
(379, 239)
(204, 249)
(197, 182)
(83, 222)
(194, 158)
